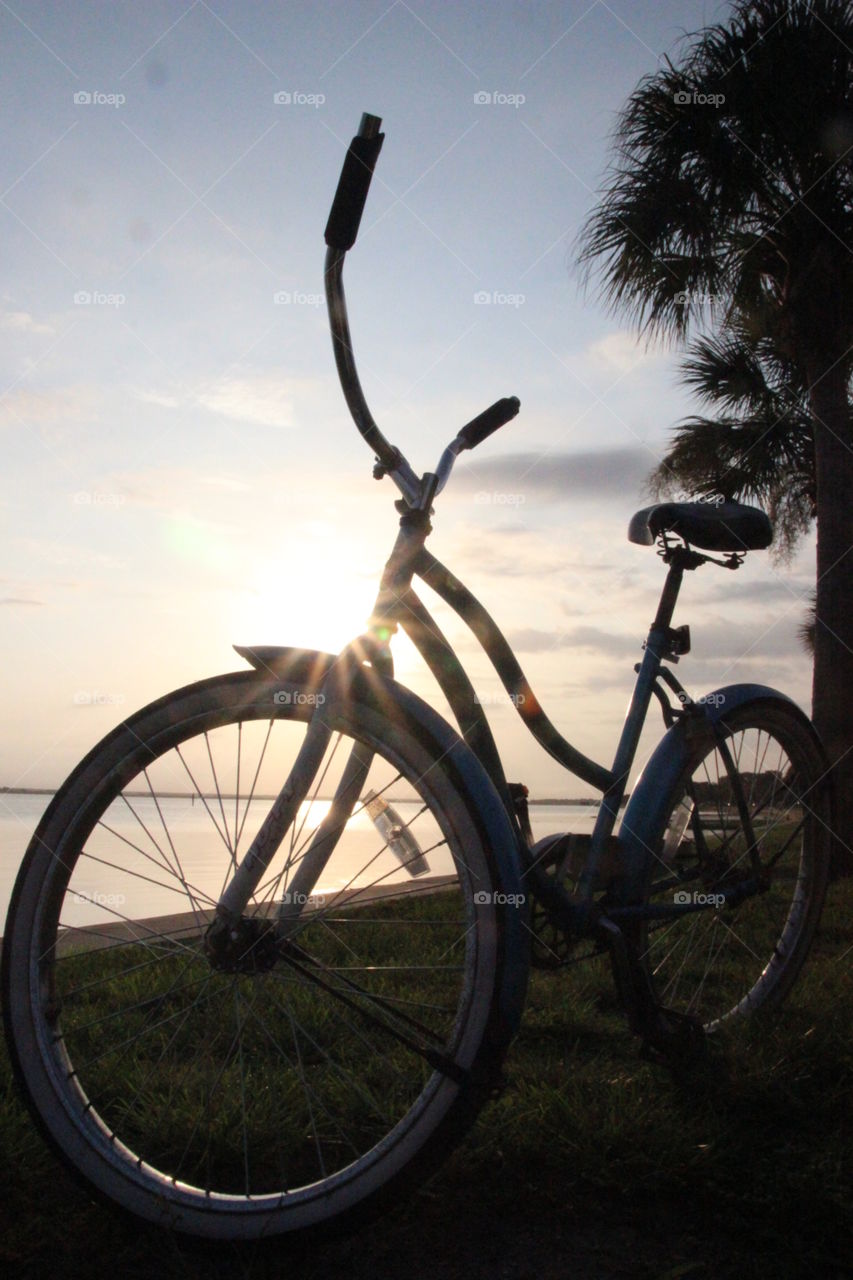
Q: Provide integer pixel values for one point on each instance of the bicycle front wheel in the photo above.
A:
(270, 1087)
(745, 838)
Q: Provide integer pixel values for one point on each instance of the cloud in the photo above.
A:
(530, 640)
(715, 643)
(158, 398)
(19, 600)
(228, 483)
(787, 590)
(62, 404)
(607, 644)
(494, 553)
(559, 476)
(619, 353)
(728, 642)
(23, 322)
(264, 400)
(56, 551)
(177, 489)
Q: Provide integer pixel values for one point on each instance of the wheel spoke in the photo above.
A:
(234, 1066)
(745, 951)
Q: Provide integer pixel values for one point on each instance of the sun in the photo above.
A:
(311, 605)
(317, 593)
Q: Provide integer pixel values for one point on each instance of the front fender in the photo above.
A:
(646, 809)
(309, 665)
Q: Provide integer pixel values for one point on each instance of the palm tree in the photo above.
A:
(759, 443)
(732, 181)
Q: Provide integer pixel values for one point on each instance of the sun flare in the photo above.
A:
(314, 604)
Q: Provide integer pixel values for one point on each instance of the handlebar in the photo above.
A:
(490, 420)
(341, 231)
(354, 184)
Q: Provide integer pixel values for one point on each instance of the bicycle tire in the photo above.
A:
(732, 959)
(246, 1104)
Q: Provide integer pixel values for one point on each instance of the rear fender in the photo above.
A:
(646, 809)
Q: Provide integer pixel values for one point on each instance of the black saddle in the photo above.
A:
(721, 526)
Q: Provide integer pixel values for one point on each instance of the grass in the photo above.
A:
(592, 1163)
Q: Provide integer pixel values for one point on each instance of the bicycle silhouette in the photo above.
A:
(282, 1019)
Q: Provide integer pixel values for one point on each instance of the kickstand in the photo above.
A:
(668, 1037)
(675, 1039)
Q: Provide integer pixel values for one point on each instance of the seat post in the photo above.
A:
(656, 648)
(678, 558)
(669, 594)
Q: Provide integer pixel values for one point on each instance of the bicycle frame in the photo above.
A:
(398, 605)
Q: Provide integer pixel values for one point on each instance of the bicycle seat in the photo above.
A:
(724, 526)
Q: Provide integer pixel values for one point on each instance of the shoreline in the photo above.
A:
(188, 795)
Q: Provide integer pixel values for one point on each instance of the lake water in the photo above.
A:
(19, 816)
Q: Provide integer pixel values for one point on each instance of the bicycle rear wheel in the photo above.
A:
(750, 813)
(274, 1088)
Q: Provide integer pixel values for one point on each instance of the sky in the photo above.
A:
(179, 470)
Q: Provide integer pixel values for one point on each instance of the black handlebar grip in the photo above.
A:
(501, 412)
(353, 185)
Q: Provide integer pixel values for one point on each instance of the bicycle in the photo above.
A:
(278, 1028)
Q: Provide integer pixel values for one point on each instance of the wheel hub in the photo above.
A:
(248, 945)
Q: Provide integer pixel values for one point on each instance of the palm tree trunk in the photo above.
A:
(832, 693)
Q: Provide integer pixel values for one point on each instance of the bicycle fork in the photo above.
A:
(265, 845)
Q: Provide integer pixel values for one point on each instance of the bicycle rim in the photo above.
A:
(749, 816)
(268, 1092)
